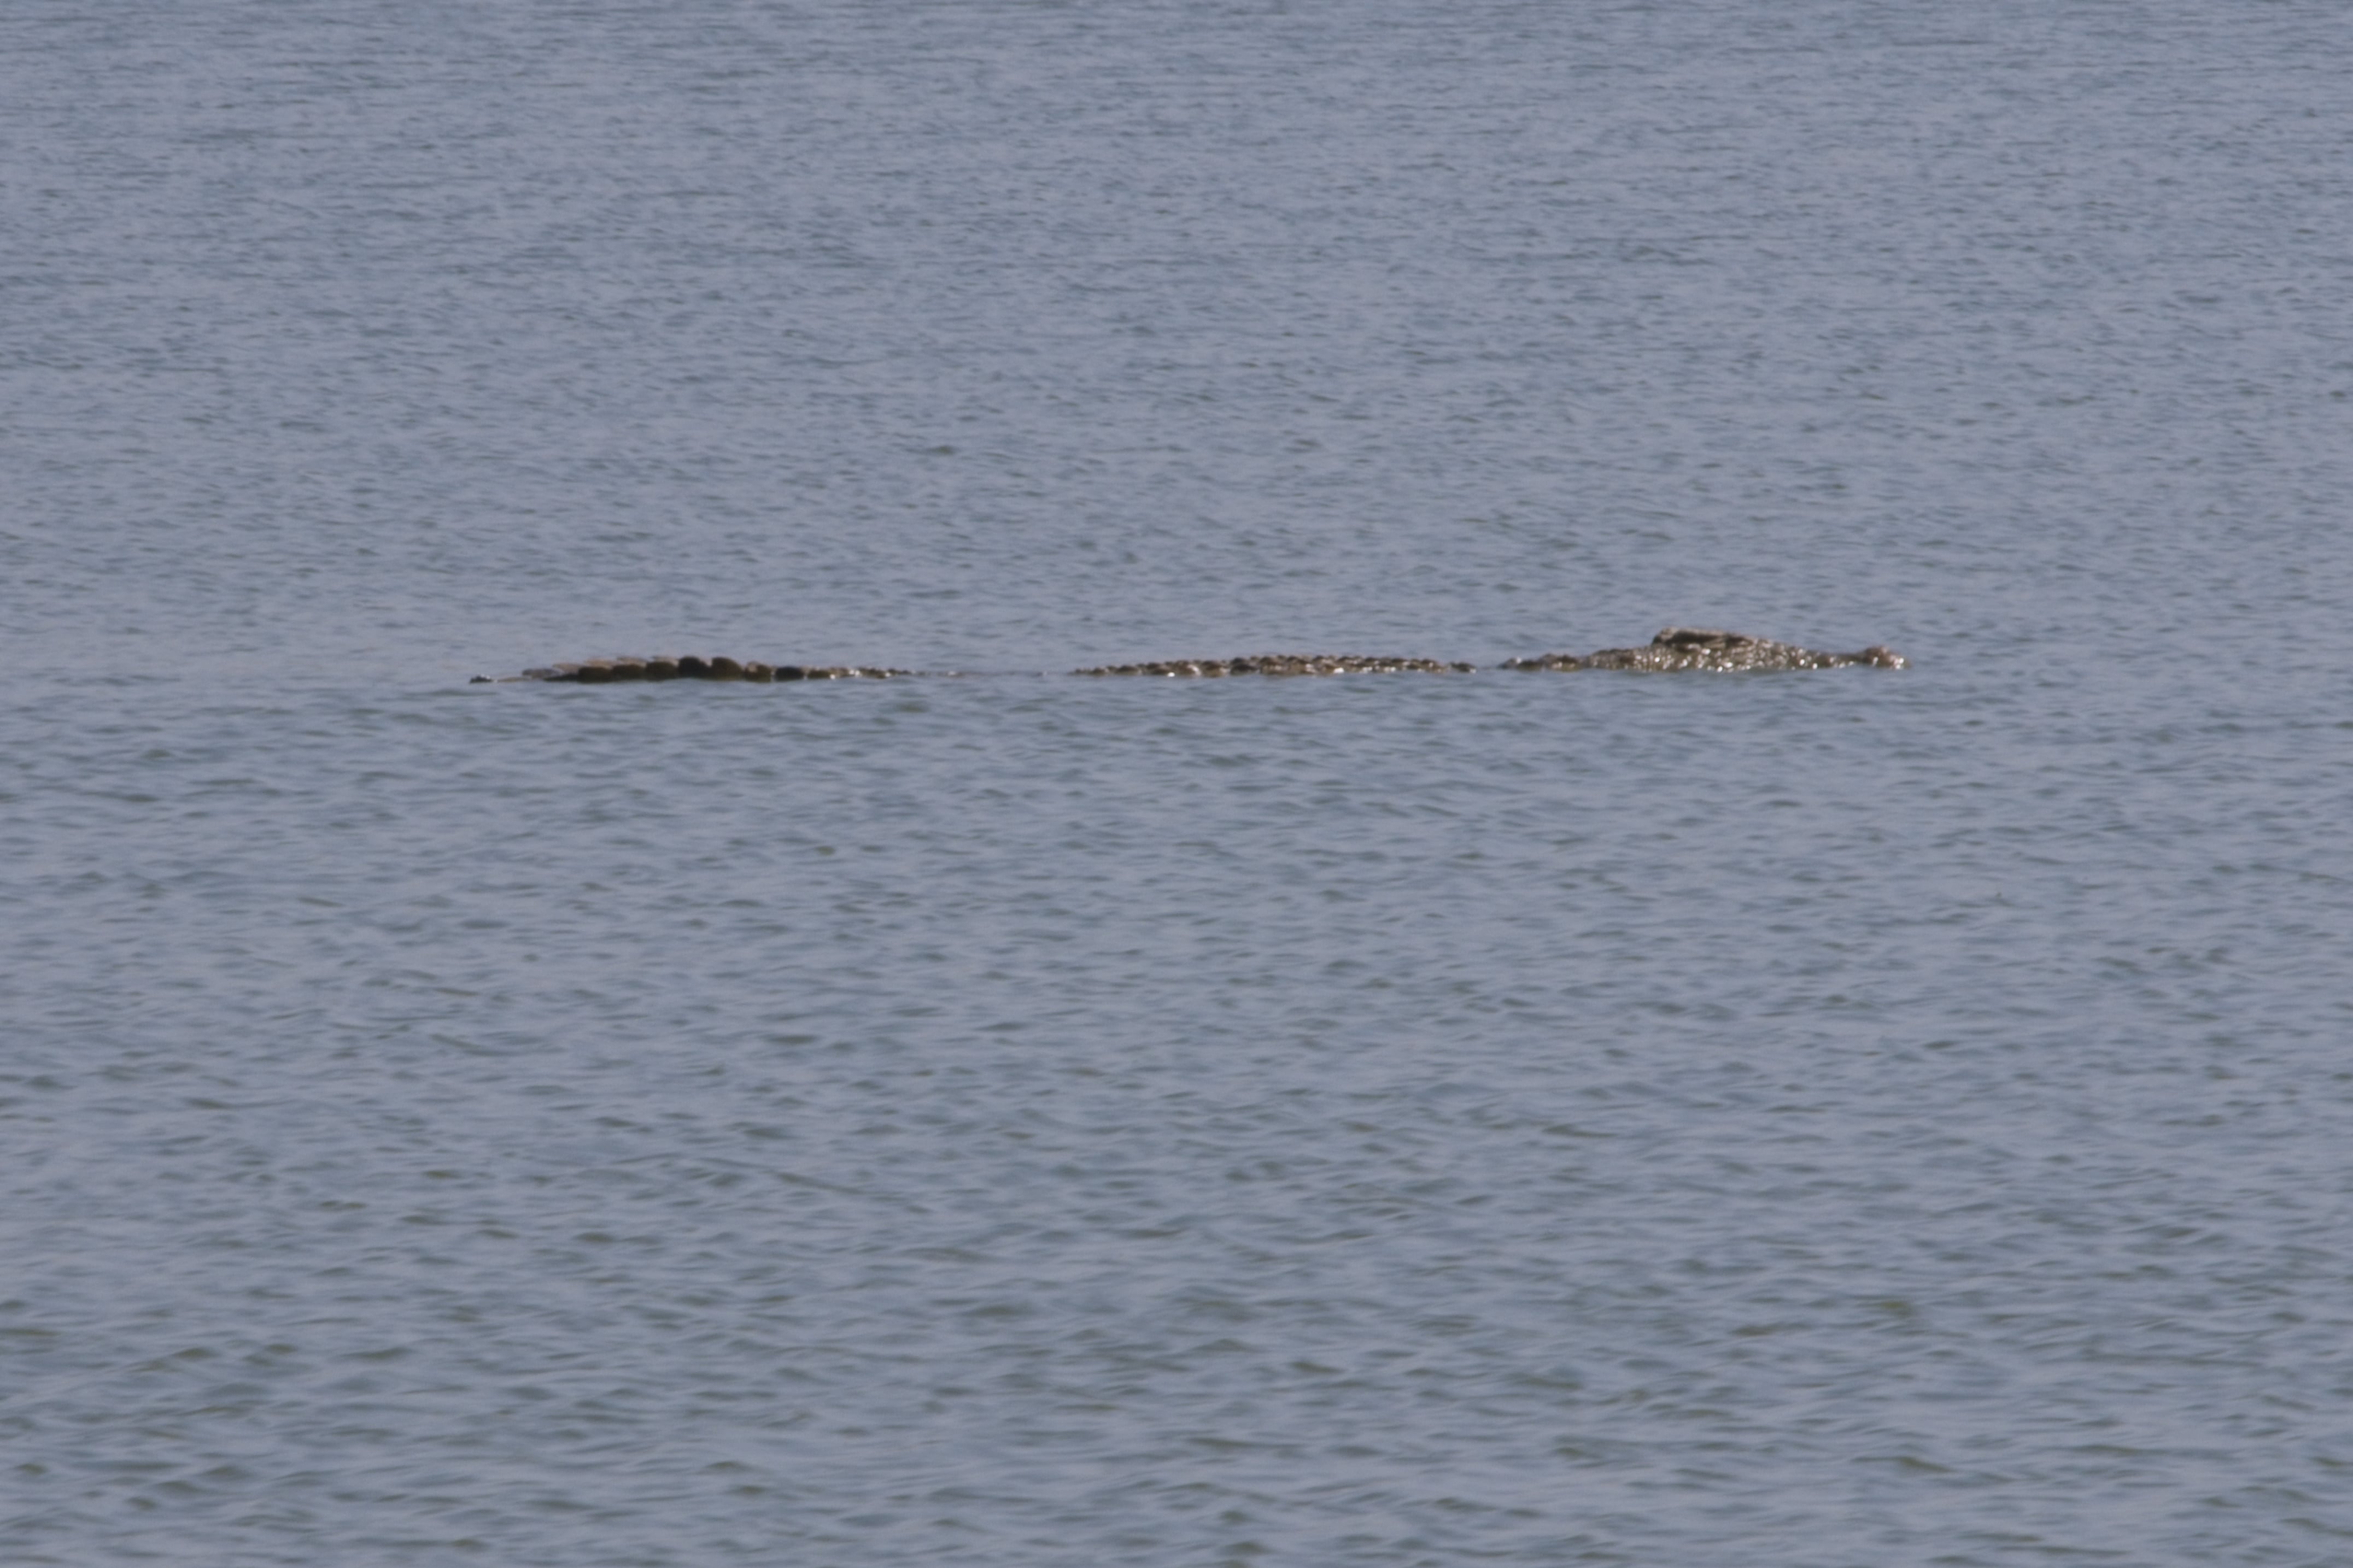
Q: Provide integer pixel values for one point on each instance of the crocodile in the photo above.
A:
(1676, 649)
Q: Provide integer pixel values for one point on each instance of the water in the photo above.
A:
(1862, 1118)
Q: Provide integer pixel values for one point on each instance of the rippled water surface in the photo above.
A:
(1823, 1120)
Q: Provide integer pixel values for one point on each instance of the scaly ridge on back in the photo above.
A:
(695, 666)
(1686, 647)
(1279, 664)
(1676, 649)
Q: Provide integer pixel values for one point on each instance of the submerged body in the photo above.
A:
(1281, 664)
(1676, 649)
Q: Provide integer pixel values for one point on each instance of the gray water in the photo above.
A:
(1852, 1119)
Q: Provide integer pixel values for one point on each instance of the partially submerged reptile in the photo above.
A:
(1676, 649)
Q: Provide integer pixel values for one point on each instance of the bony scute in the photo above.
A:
(1681, 649)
